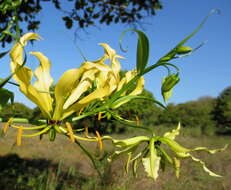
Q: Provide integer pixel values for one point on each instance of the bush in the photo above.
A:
(222, 111)
(16, 110)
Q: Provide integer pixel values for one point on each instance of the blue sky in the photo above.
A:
(205, 73)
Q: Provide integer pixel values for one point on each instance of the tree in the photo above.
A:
(141, 109)
(190, 114)
(83, 13)
(222, 111)
(169, 116)
(17, 110)
(36, 115)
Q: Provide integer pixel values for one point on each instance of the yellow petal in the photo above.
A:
(112, 56)
(108, 50)
(130, 141)
(204, 167)
(23, 77)
(44, 80)
(172, 135)
(83, 86)
(97, 94)
(68, 81)
(176, 163)
(24, 74)
(16, 53)
(139, 87)
(93, 65)
(152, 162)
(42, 73)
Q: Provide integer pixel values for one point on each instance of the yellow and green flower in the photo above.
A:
(153, 156)
(76, 88)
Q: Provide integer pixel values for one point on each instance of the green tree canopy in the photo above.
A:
(190, 114)
(82, 13)
(145, 110)
(222, 110)
(17, 110)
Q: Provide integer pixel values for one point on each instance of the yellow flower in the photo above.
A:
(93, 80)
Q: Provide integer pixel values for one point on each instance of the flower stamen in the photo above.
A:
(99, 141)
(70, 132)
(6, 126)
(19, 137)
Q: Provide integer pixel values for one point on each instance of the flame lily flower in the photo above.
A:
(74, 90)
(154, 157)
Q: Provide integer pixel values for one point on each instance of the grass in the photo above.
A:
(35, 165)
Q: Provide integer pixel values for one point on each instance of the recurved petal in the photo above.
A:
(112, 56)
(91, 65)
(16, 53)
(108, 50)
(172, 135)
(44, 80)
(42, 73)
(29, 36)
(23, 77)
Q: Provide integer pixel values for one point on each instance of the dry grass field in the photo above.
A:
(36, 156)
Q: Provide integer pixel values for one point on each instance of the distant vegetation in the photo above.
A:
(205, 115)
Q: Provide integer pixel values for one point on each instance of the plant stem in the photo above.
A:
(91, 158)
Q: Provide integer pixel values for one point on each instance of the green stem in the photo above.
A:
(30, 128)
(129, 124)
(100, 109)
(91, 158)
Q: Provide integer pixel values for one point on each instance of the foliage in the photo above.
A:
(17, 110)
(36, 115)
(194, 114)
(222, 111)
(168, 116)
(83, 13)
(5, 96)
(96, 88)
(141, 109)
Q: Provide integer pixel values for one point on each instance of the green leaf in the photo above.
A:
(165, 155)
(170, 55)
(142, 53)
(5, 96)
(125, 99)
